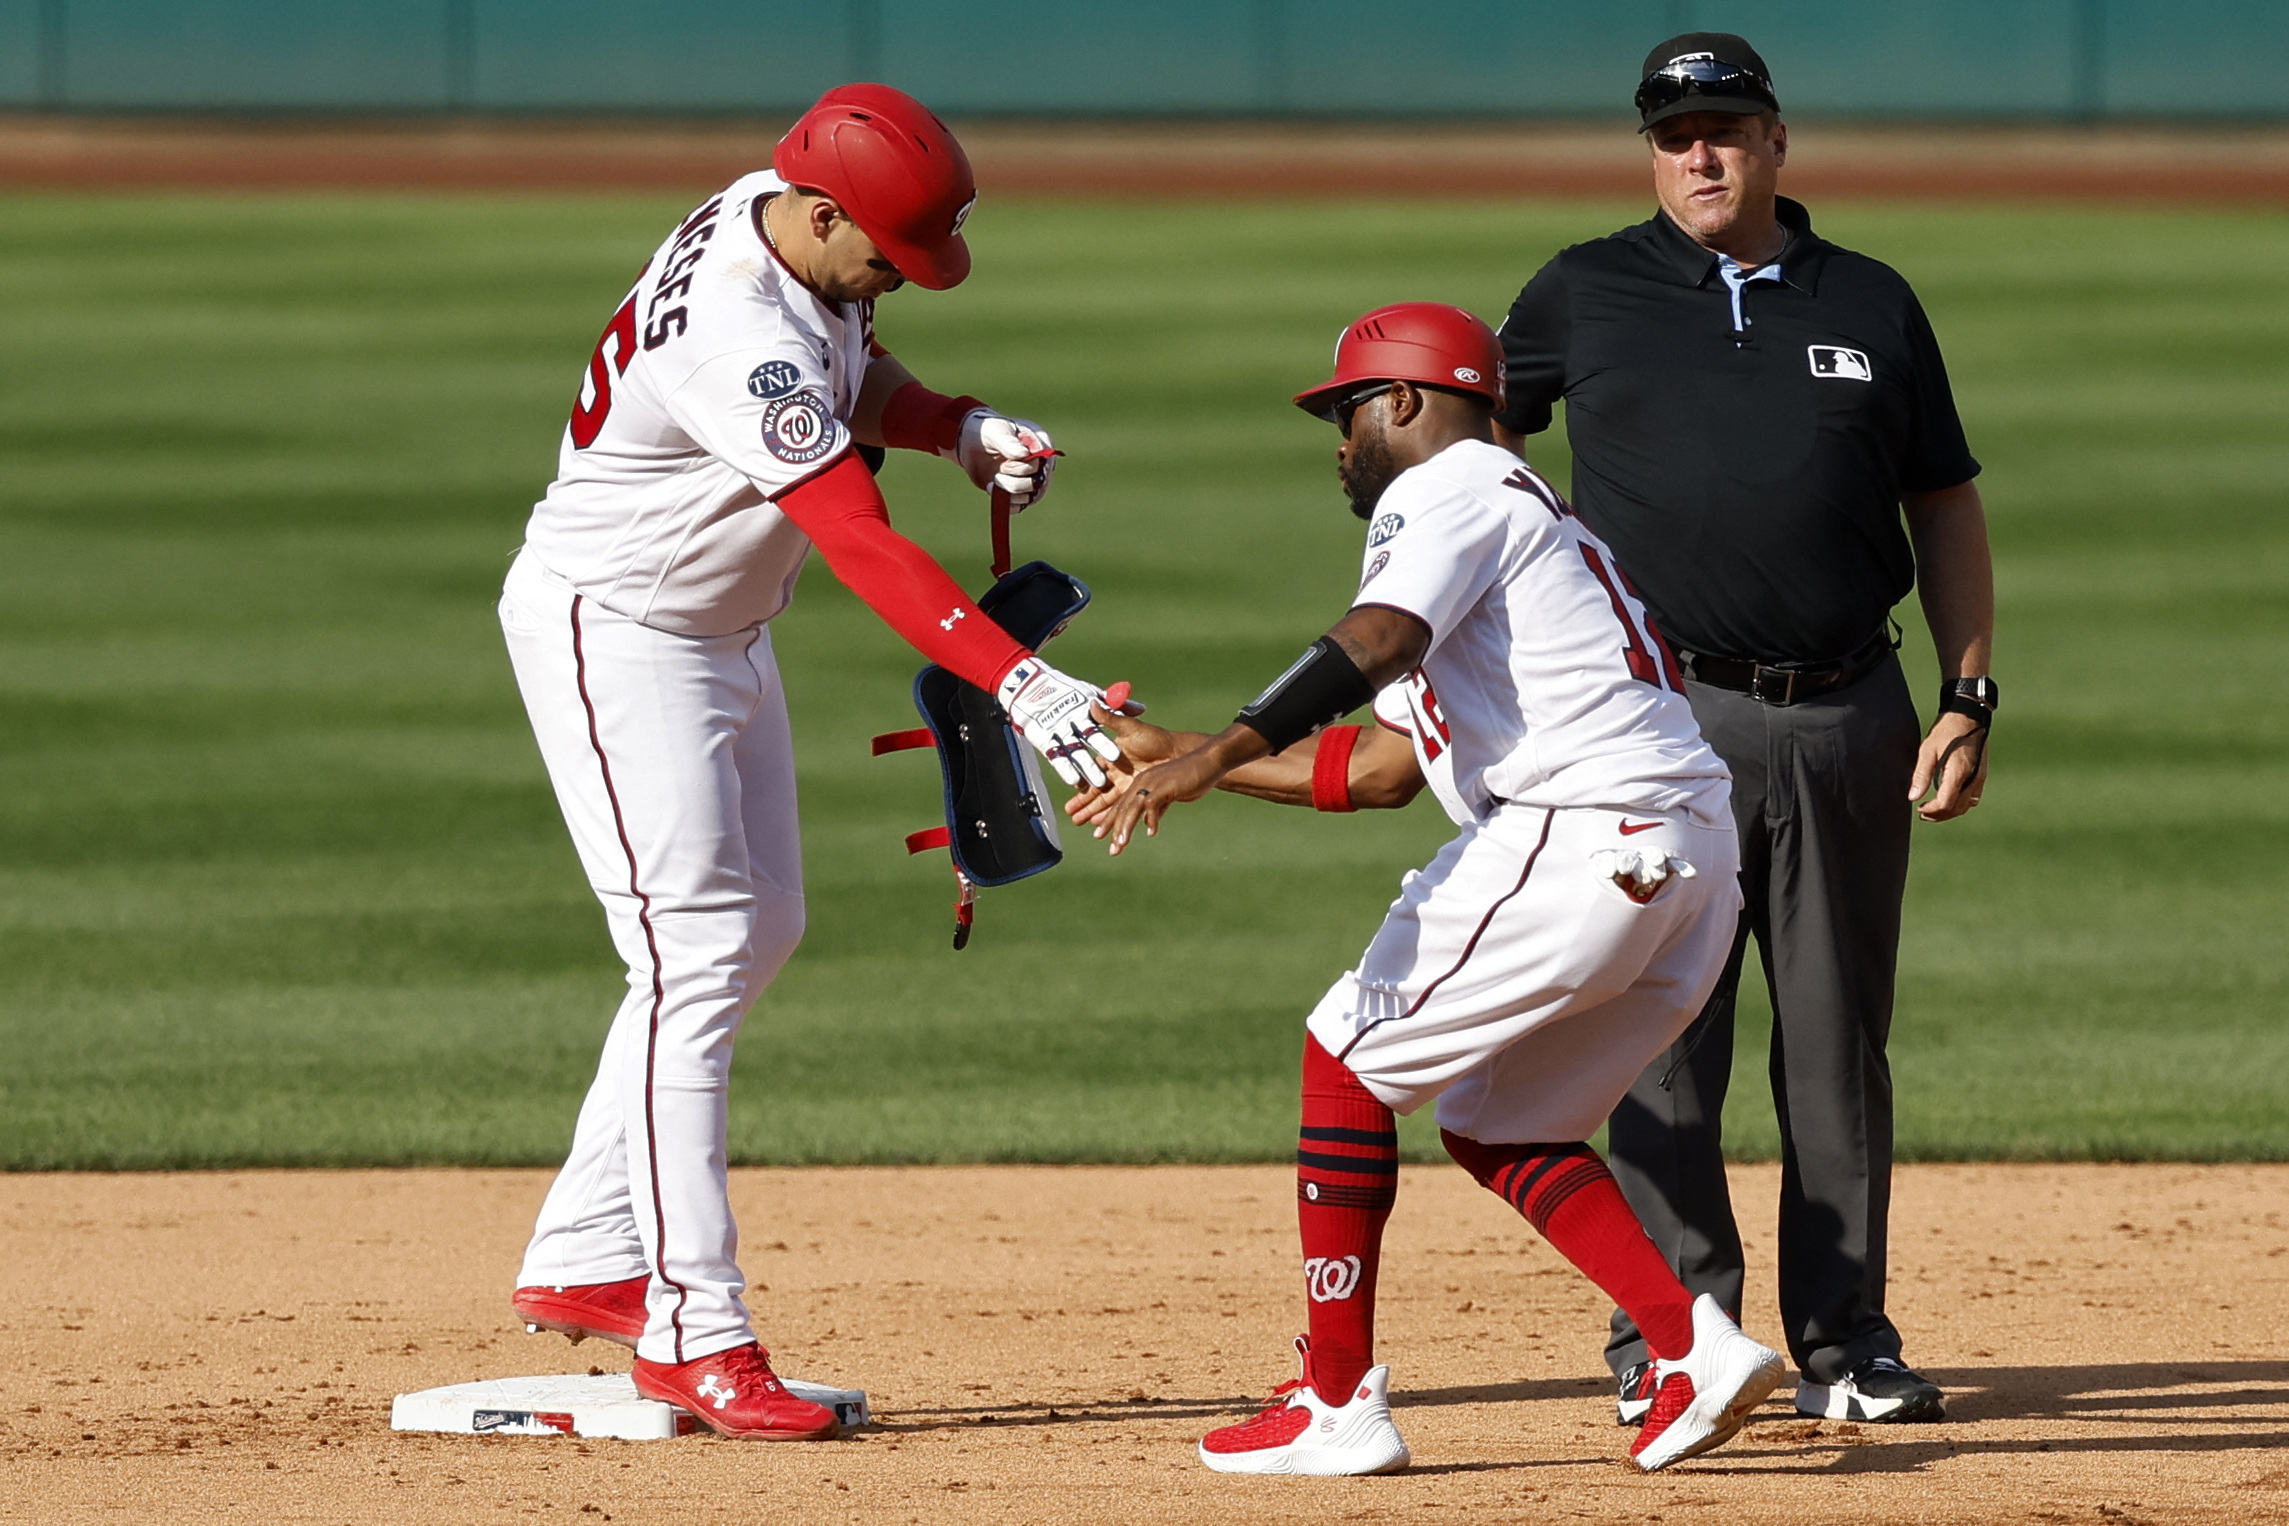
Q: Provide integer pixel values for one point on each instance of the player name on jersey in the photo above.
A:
(720, 383)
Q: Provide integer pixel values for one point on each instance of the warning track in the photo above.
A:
(2123, 165)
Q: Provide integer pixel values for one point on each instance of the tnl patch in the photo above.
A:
(1384, 528)
(774, 378)
(1835, 360)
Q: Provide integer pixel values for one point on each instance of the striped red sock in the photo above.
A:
(1567, 1193)
(1347, 1173)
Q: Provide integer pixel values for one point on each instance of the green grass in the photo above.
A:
(280, 877)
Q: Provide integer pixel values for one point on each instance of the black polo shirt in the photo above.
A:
(1749, 480)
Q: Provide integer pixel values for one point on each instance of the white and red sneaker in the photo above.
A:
(1299, 1432)
(1701, 1400)
(736, 1393)
(612, 1311)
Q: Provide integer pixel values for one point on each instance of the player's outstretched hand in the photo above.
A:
(1142, 745)
(1014, 455)
(1152, 792)
(1056, 714)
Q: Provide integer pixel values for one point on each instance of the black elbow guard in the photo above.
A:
(1320, 688)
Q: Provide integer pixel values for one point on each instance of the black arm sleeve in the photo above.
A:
(1937, 455)
(1534, 340)
(1319, 688)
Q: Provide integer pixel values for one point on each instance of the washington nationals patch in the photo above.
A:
(799, 429)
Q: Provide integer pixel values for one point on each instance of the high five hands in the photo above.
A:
(1144, 747)
(1157, 770)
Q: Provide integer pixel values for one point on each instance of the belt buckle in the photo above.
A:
(1760, 691)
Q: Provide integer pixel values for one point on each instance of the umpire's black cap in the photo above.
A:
(1704, 71)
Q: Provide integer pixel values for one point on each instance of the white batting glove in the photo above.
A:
(1051, 711)
(1015, 455)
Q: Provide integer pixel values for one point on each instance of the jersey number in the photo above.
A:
(588, 412)
(1647, 654)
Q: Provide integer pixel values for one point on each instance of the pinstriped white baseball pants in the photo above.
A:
(674, 767)
(1516, 984)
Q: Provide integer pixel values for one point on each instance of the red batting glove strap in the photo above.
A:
(916, 418)
(1331, 769)
(841, 510)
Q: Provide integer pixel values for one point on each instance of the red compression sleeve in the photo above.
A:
(842, 511)
(915, 418)
(1331, 769)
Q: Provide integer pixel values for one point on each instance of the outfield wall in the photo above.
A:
(1976, 58)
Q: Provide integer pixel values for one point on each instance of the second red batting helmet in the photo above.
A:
(895, 169)
(1426, 342)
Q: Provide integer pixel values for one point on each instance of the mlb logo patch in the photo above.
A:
(1835, 360)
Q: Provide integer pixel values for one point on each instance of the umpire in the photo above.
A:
(1753, 411)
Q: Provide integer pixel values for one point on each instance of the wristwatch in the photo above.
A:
(1975, 697)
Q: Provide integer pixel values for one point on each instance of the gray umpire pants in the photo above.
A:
(1820, 797)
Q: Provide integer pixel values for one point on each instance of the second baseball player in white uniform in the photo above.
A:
(712, 446)
(1568, 933)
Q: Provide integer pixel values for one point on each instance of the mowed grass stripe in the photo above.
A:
(281, 881)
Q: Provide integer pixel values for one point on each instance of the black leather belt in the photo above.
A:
(1787, 683)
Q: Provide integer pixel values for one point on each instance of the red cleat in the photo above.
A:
(736, 1393)
(613, 1311)
(1702, 1399)
(1299, 1432)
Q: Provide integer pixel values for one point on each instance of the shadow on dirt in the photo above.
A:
(2127, 1407)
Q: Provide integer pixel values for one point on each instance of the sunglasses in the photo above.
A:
(1671, 83)
(1340, 414)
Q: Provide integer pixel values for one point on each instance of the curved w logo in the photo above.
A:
(1331, 1279)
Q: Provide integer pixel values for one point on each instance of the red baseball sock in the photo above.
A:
(1567, 1193)
(1347, 1173)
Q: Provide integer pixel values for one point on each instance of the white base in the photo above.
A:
(573, 1405)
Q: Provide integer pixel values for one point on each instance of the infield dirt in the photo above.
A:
(1045, 1344)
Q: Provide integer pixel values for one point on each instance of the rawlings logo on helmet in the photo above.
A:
(1466, 374)
(962, 215)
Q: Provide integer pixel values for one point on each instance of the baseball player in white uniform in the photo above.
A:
(713, 444)
(1567, 934)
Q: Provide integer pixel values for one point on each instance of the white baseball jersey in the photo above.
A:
(721, 382)
(1411, 708)
(1546, 683)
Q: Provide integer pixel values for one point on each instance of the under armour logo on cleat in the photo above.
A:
(713, 1387)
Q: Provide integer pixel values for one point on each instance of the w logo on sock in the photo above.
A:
(1331, 1279)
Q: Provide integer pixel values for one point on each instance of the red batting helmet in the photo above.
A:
(895, 169)
(1426, 342)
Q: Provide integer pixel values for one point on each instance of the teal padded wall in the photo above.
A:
(1055, 55)
(1976, 58)
(1499, 57)
(371, 54)
(2229, 55)
(20, 50)
(1927, 57)
(638, 55)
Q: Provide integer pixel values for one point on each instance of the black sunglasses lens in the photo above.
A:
(1698, 76)
(1344, 412)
